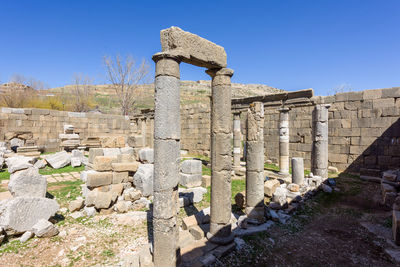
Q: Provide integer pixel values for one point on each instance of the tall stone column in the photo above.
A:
(167, 134)
(255, 162)
(151, 138)
(236, 140)
(221, 156)
(144, 130)
(284, 141)
(319, 152)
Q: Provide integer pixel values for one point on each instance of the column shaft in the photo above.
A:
(255, 162)
(221, 156)
(167, 133)
(298, 171)
(284, 141)
(320, 141)
(236, 141)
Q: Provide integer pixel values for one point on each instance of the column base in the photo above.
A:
(220, 240)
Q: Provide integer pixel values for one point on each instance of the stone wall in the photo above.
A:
(46, 125)
(364, 130)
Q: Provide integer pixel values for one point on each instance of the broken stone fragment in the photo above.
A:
(76, 205)
(146, 155)
(143, 179)
(59, 159)
(270, 187)
(27, 183)
(44, 228)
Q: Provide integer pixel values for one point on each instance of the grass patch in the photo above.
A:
(65, 191)
(273, 167)
(4, 175)
(48, 170)
(205, 170)
(13, 246)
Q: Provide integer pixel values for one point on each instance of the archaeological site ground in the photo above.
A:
(206, 173)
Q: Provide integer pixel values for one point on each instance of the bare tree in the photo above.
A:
(81, 92)
(125, 76)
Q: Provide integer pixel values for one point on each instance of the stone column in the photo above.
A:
(151, 138)
(319, 152)
(167, 134)
(298, 171)
(221, 156)
(236, 140)
(255, 162)
(284, 141)
(143, 130)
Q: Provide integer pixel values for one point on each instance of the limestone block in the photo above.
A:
(19, 214)
(59, 159)
(127, 150)
(146, 155)
(44, 228)
(76, 205)
(125, 167)
(135, 141)
(193, 49)
(94, 152)
(124, 158)
(27, 183)
(270, 186)
(190, 180)
(111, 152)
(95, 179)
(103, 200)
(40, 164)
(120, 177)
(192, 166)
(103, 163)
(143, 179)
(76, 162)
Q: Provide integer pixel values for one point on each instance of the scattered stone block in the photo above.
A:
(76, 205)
(122, 206)
(270, 187)
(126, 167)
(95, 152)
(19, 214)
(26, 236)
(76, 162)
(111, 152)
(202, 217)
(120, 177)
(44, 228)
(18, 163)
(143, 179)
(127, 150)
(199, 231)
(190, 180)
(125, 158)
(95, 179)
(192, 166)
(206, 181)
(89, 211)
(103, 163)
(59, 159)
(146, 155)
(27, 183)
(293, 187)
(40, 164)
(103, 200)
(195, 194)
(280, 196)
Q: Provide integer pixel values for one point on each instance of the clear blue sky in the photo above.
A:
(286, 44)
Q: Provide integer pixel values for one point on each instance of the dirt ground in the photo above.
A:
(326, 232)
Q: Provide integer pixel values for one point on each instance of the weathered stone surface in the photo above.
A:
(19, 214)
(127, 150)
(103, 200)
(192, 166)
(270, 187)
(131, 218)
(195, 194)
(146, 155)
(26, 236)
(89, 211)
(122, 206)
(280, 196)
(76, 162)
(103, 163)
(75, 205)
(166, 164)
(120, 177)
(95, 152)
(125, 167)
(18, 163)
(143, 179)
(95, 179)
(44, 228)
(193, 49)
(240, 199)
(125, 158)
(27, 183)
(135, 141)
(298, 171)
(41, 163)
(111, 152)
(59, 159)
(206, 181)
(190, 180)
(293, 187)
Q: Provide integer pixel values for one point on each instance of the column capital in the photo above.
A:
(222, 71)
(283, 109)
(167, 64)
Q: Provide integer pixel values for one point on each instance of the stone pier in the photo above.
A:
(167, 134)
(255, 162)
(236, 140)
(298, 171)
(284, 141)
(221, 156)
(319, 154)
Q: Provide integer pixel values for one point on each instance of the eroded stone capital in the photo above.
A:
(220, 76)
(167, 64)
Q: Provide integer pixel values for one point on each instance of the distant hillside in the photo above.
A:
(191, 92)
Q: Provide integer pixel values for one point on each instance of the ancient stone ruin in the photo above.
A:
(146, 170)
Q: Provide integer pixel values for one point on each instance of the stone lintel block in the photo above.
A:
(195, 49)
(125, 167)
(95, 179)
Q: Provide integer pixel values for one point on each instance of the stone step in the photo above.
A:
(370, 172)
